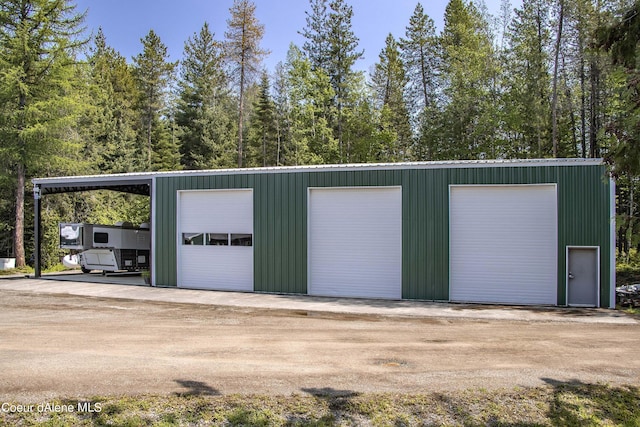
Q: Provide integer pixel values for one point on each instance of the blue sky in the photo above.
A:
(125, 22)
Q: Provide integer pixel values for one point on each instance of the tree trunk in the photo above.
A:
(264, 146)
(423, 72)
(554, 102)
(630, 223)
(149, 148)
(18, 232)
(594, 128)
(240, 115)
(583, 108)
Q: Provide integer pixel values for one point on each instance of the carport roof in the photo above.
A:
(136, 183)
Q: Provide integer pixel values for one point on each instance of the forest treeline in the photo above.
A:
(551, 78)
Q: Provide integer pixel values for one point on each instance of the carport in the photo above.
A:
(133, 183)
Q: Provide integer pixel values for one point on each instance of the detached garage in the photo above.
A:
(508, 232)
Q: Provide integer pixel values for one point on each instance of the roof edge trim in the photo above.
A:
(147, 176)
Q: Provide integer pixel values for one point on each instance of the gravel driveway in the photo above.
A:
(79, 346)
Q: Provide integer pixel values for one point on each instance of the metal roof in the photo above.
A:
(140, 182)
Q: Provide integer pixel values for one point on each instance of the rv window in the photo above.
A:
(217, 239)
(241, 240)
(100, 237)
(70, 235)
(192, 239)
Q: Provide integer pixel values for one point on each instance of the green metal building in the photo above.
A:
(510, 232)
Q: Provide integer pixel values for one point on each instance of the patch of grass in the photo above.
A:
(558, 404)
(13, 271)
(633, 311)
(628, 274)
(595, 405)
(29, 270)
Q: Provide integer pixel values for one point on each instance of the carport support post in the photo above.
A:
(36, 230)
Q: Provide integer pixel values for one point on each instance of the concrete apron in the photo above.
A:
(132, 287)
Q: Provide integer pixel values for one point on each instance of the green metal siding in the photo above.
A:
(280, 219)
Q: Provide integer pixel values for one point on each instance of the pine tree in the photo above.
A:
(362, 127)
(527, 79)
(165, 155)
(311, 135)
(316, 45)
(331, 47)
(263, 137)
(389, 83)
(243, 51)
(111, 122)
(282, 101)
(153, 74)
(204, 105)
(621, 40)
(343, 54)
(469, 71)
(556, 65)
(420, 57)
(38, 93)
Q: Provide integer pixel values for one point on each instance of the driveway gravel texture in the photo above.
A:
(79, 346)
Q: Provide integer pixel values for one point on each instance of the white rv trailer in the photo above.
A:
(109, 248)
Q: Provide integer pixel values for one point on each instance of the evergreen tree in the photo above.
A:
(165, 155)
(153, 74)
(263, 136)
(622, 41)
(420, 57)
(110, 123)
(282, 101)
(316, 45)
(527, 79)
(389, 85)
(312, 140)
(243, 51)
(469, 71)
(361, 127)
(204, 105)
(343, 55)
(38, 93)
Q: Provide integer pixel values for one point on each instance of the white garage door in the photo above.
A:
(503, 244)
(355, 242)
(215, 239)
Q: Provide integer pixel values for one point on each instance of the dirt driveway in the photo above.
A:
(72, 346)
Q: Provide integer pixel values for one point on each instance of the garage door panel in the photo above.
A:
(504, 244)
(228, 207)
(221, 267)
(355, 242)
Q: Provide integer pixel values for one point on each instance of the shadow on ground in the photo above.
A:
(574, 403)
(196, 388)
